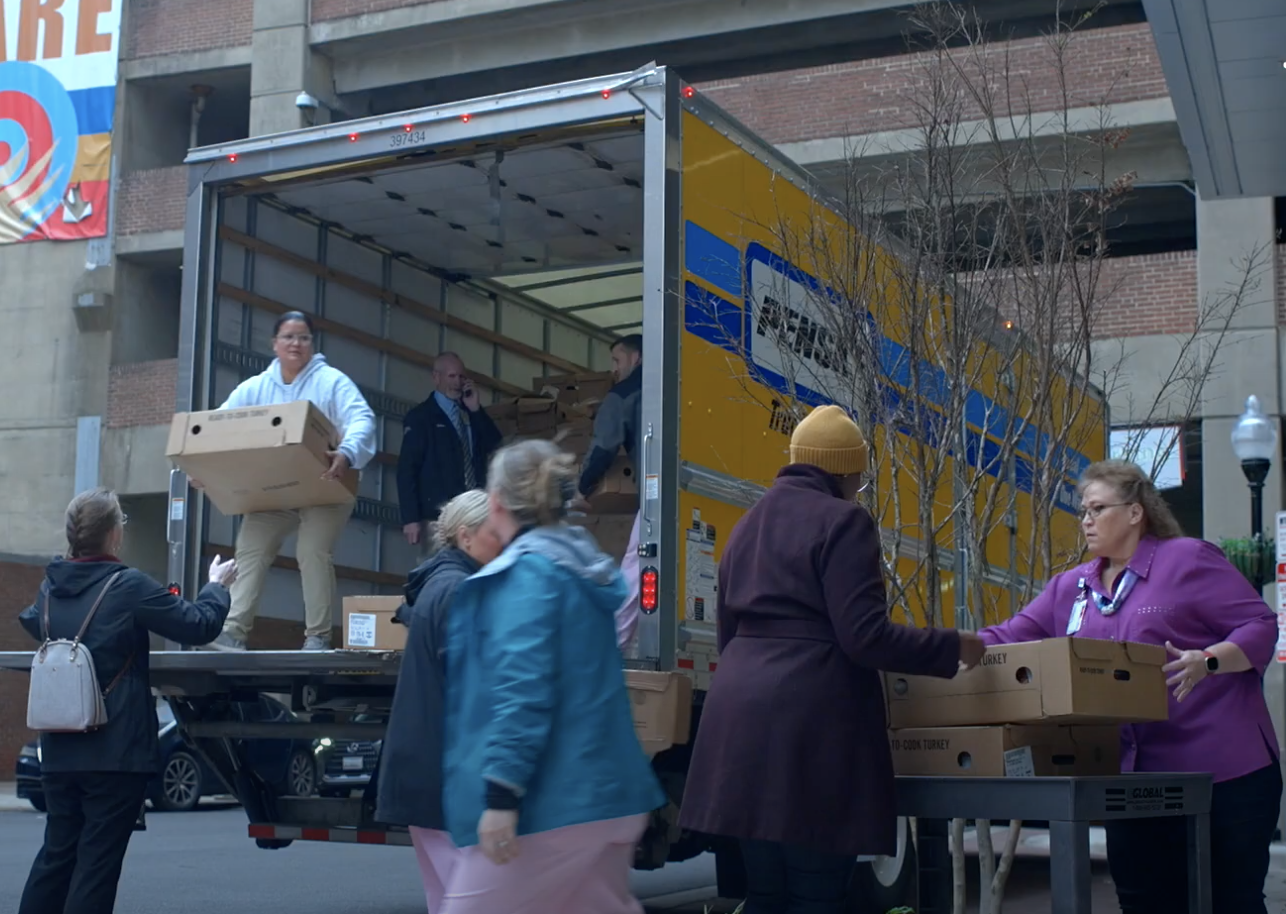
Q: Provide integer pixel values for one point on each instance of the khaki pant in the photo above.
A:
(258, 543)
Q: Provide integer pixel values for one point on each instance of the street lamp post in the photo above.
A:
(1254, 441)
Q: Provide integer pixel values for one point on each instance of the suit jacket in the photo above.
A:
(430, 468)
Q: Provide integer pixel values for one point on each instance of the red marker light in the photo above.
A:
(352, 137)
(688, 91)
(649, 586)
(607, 93)
(232, 158)
(409, 127)
(174, 589)
(466, 117)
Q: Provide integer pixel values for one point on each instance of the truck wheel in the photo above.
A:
(888, 883)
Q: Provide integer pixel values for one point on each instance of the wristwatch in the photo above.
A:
(1212, 662)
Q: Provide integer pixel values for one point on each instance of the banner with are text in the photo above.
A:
(58, 64)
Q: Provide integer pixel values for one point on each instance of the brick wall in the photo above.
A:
(1115, 64)
(18, 585)
(151, 200)
(175, 26)
(1152, 294)
(141, 393)
(343, 9)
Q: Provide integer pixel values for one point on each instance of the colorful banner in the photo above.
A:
(58, 61)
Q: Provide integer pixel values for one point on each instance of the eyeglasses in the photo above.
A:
(302, 339)
(1093, 511)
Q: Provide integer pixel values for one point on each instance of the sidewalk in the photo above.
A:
(9, 801)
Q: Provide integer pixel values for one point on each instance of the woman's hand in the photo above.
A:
(338, 465)
(1188, 669)
(498, 835)
(222, 572)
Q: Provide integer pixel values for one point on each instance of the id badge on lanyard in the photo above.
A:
(1106, 607)
(1077, 618)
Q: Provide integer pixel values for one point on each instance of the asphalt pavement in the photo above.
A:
(202, 863)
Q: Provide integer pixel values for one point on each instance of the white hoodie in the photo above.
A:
(330, 390)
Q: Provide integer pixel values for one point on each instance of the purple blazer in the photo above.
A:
(1188, 593)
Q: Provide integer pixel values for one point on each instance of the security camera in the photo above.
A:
(305, 102)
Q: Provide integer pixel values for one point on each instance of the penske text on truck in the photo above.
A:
(526, 232)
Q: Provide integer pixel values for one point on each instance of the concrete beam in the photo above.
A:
(439, 41)
(188, 62)
(1137, 114)
(149, 243)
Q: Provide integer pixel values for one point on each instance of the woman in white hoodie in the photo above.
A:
(299, 373)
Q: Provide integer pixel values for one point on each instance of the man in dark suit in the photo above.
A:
(447, 442)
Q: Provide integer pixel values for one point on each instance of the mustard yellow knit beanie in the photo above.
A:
(829, 439)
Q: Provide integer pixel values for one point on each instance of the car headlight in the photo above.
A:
(327, 742)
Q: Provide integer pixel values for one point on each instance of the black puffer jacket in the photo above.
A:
(410, 776)
(133, 607)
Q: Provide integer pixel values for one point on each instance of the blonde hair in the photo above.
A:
(1134, 487)
(92, 517)
(467, 510)
(534, 480)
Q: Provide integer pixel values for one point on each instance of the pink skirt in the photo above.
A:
(580, 869)
(437, 855)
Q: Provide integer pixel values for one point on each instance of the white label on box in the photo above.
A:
(361, 630)
(1019, 764)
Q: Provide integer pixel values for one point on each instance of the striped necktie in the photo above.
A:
(466, 448)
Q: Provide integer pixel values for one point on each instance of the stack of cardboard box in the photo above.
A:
(561, 408)
(1041, 708)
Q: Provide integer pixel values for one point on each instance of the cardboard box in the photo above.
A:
(1059, 680)
(1007, 751)
(662, 707)
(369, 625)
(579, 387)
(261, 458)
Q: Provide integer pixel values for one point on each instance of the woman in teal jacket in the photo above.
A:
(547, 789)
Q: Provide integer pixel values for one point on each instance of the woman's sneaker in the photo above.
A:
(226, 642)
(317, 643)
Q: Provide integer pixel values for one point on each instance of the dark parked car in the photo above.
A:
(344, 765)
(185, 777)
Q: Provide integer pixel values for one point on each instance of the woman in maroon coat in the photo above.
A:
(792, 755)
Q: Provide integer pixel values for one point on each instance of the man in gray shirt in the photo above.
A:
(617, 423)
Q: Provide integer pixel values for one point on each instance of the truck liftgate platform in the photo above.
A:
(325, 686)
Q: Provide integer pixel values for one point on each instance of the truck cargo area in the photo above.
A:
(523, 254)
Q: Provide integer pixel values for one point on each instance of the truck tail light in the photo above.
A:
(649, 584)
(175, 589)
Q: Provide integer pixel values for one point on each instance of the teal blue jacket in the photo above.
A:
(536, 697)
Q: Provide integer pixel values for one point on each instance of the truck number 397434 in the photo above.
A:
(407, 138)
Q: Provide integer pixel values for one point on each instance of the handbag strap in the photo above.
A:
(119, 676)
(92, 610)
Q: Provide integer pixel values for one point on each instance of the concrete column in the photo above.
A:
(1248, 359)
(282, 66)
(1249, 362)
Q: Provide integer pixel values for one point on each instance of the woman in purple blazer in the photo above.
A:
(1148, 583)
